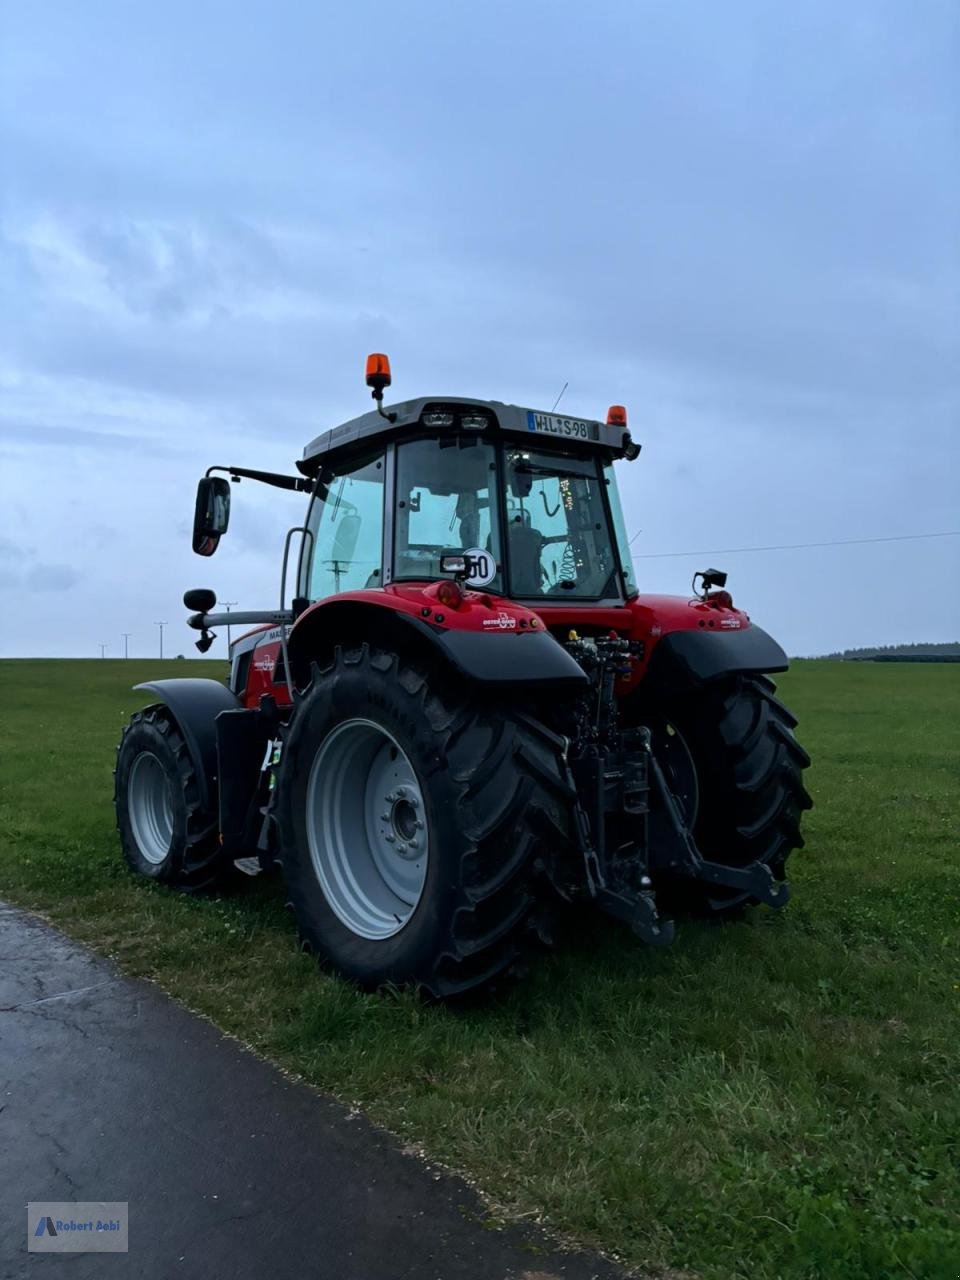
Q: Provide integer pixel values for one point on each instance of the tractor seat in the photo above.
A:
(526, 571)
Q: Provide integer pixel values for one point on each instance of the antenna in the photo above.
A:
(560, 396)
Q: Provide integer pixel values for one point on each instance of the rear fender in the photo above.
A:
(531, 659)
(685, 660)
(195, 705)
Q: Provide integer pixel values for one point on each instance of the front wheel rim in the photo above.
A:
(150, 805)
(367, 829)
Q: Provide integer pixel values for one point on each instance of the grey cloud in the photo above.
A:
(44, 437)
(10, 550)
(51, 577)
(171, 272)
(22, 574)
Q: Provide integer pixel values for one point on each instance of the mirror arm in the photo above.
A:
(251, 618)
(297, 483)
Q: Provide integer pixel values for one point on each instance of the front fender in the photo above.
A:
(195, 705)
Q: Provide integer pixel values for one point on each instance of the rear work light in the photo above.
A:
(441, 416)
(474, 422)
(631, 450)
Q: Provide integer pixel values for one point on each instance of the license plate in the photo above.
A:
(550, 424)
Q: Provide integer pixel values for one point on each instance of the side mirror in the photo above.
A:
(200, 599)
(211, 514)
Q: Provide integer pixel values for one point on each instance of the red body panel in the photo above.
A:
(646, 618)
(260, 676)
(478, 611)
(656, 616)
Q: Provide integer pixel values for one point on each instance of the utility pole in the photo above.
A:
(161, 625)
(226, 604)
(126, 636)
(103, 651)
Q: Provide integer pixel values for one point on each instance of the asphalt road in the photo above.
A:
(110, 1091)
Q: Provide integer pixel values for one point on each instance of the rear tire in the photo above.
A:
(491, 784)
(749, 775)
(164, 834)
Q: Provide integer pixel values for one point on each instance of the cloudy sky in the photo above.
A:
(740, 220)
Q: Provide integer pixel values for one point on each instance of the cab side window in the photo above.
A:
(348, 533)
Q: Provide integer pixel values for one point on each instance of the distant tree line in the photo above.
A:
(949, 651)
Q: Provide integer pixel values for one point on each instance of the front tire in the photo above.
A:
(451, 913)
(164, 834)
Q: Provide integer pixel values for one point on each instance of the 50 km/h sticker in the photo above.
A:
(481, 567)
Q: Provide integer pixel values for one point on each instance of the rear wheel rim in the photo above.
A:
(680, 772)
(150, 805)
(367, 831)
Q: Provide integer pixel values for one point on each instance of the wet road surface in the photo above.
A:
(111, 1091)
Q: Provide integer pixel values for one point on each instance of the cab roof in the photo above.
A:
(372, 428)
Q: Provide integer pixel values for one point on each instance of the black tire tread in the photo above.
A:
(507, 771)
(201, 866)
(751, 771)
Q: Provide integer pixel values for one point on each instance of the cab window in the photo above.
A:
(347, 528)
(558, 535)
(446, 501)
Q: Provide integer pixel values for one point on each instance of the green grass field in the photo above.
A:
(776, 1097)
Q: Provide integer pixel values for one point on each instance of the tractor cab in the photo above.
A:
(528, 499)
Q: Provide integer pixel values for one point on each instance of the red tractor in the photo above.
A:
(467, 713)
